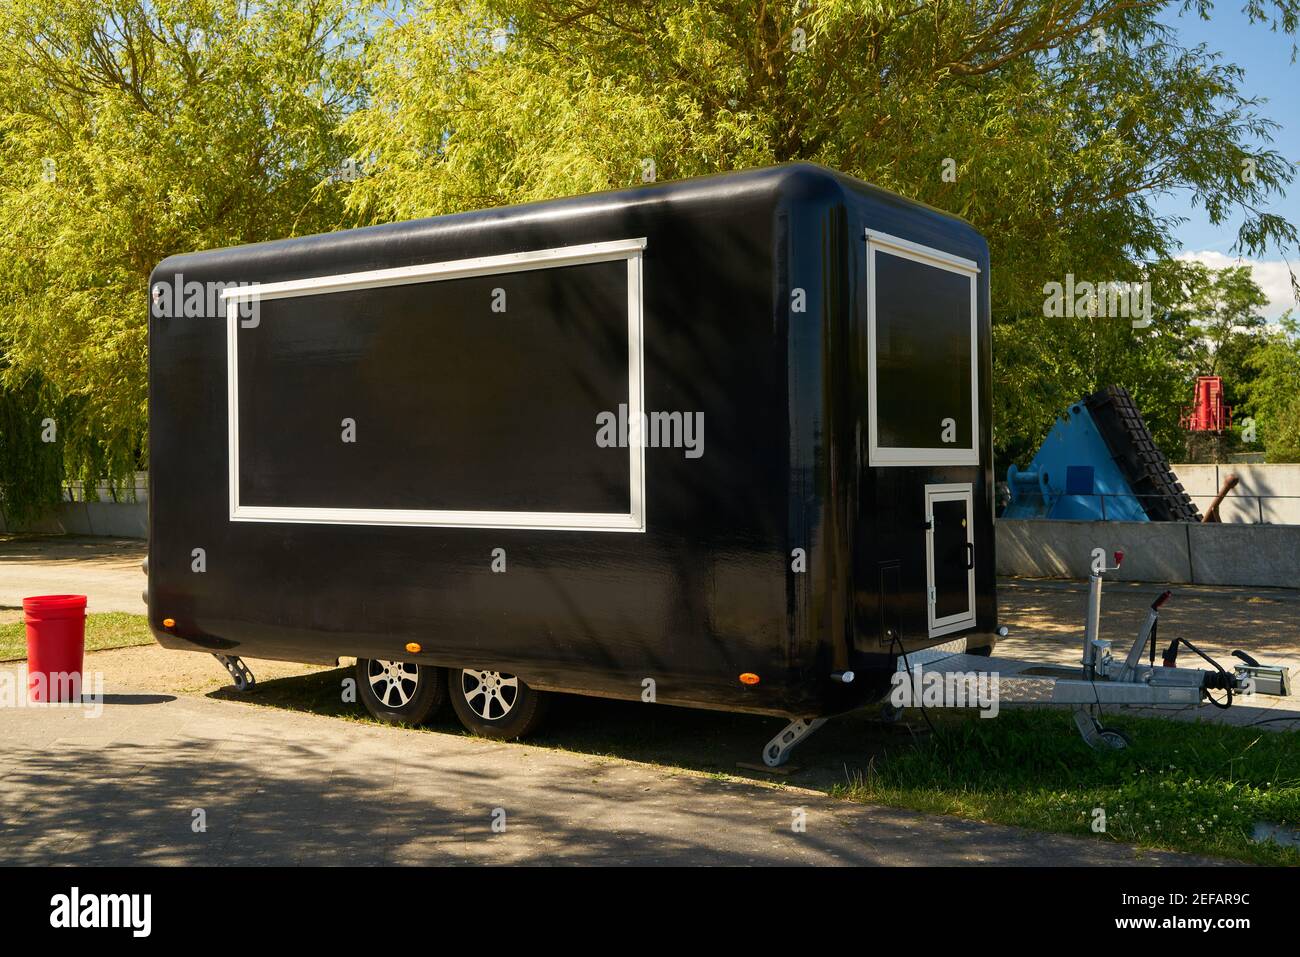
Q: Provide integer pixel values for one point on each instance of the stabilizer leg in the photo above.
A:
(243, 678)
(777, 751)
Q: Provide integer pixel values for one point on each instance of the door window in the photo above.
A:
(950, 558)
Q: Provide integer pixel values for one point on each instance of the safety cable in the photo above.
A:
(1171, 654)
(896, 637)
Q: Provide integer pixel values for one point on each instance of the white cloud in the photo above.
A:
(1272, 275)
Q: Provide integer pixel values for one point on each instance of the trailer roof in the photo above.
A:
(381, 244)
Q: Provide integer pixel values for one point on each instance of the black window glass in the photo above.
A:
(923, 355)
(456, 406)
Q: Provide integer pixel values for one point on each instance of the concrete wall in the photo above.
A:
(125, 519)
(1245, 555)
(1179, 552)
(112, 519)
(1255, 497)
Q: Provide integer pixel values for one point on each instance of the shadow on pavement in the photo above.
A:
(710, 741)
(138, 698)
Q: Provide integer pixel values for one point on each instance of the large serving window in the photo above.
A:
(461, 393)
(923, 387)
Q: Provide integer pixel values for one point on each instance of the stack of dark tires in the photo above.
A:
(1134, 450)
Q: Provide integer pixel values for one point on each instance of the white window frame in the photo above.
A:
(952, 492)
(631, 521)
(905, 249)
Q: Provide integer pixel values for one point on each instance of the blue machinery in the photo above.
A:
(1073, 476)
(1099, 463)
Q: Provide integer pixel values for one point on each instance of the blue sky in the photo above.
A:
(1266, 57)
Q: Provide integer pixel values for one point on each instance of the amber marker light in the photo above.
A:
(749, 678)
(413, 647)
(169, 622)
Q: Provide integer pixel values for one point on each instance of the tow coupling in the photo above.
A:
(1136, 680)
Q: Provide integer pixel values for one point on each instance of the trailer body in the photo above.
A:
(431, 434)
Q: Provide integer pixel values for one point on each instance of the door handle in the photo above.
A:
(970, 555)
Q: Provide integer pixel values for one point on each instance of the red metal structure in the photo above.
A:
(1209, 414)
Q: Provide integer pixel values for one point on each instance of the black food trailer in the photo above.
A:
(721, 443)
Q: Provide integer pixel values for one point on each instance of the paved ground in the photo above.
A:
(276, 784)
(105, 569)
(283, 787)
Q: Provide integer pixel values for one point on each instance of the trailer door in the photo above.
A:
(950, 558)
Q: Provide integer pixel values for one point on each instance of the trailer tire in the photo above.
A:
(400, 692)
(492, 704)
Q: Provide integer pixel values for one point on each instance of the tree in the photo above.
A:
(1273, 396)
(1227, 304)
(1051, 127)
(1044, 363)
(131, 130)
(31, 468)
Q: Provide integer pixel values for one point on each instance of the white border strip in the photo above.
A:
(905, 249)
(951, 492)
(913, 250)
(432, 272)
(632, 521)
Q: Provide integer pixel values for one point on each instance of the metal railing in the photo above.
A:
(1231, 510)
(129, 493)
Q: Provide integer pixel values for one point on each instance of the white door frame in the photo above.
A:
(954, 492)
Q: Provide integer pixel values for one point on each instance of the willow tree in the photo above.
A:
(130, 130)
(1052, 126)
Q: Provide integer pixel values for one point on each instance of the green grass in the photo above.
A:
(113, 629)
(1198, 788)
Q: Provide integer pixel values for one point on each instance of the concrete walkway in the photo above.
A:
(278, 787)
(106, 570)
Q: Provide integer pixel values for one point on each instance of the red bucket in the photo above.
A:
(56, 645)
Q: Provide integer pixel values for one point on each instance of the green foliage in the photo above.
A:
(131, 130)
(1226, 305)
(1059, 143)
(30, 467)
(1042, 364)
(1273, 396)
(452, 124)
(1059, 147)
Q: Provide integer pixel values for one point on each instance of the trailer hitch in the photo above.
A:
(1265, 679)
(1106, 680)
(1134, 680)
